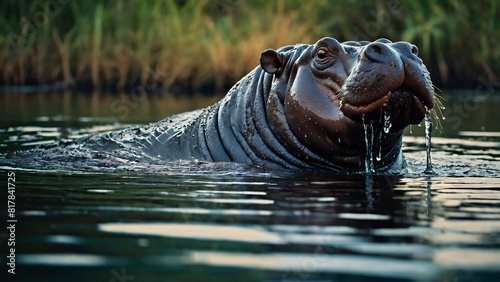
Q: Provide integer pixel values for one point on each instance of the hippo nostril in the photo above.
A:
(378, 52)
(377, 49)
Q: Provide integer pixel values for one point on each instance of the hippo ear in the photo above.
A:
(271, 61)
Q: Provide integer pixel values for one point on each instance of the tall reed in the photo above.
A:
(200, 43)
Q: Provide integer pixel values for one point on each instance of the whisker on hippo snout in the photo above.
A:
(437, 111)
(436, 88)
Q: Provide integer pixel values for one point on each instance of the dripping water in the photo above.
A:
(387, 123)
(378, 146)
(386, 128)
(428, 130)
(369, 168)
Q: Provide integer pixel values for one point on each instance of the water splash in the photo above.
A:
(369, 167)
(428, 130)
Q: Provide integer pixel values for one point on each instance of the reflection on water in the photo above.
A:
(272, 227)
(195, 231)
(227, 222)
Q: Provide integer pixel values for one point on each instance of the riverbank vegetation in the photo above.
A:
(201, 44)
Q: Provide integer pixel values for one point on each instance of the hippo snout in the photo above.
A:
(384, 75)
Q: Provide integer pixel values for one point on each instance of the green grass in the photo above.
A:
(201, 43)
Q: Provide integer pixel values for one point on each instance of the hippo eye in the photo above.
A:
(324, 57)
(322, 54)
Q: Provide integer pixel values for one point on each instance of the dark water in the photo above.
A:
(226, 222)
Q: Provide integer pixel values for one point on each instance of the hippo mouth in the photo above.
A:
(402, 102)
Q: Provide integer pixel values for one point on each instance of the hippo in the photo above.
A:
(305, 107)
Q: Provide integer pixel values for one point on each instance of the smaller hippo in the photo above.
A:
(305, 107)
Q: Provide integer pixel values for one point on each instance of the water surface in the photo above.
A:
(228, 222)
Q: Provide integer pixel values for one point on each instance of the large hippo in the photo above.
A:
(305, 107)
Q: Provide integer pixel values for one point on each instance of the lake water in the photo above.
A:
(227, 222)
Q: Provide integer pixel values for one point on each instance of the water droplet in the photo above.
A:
(387, 122)
(444, 117)
(443, 107)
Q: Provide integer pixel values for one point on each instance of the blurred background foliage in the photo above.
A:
(201, 44)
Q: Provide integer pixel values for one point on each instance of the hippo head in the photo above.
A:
(328, 91)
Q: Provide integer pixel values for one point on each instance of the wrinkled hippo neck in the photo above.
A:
(244, 134)
(249, 126)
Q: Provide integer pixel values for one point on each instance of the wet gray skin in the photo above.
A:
(302, 108)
